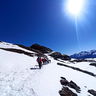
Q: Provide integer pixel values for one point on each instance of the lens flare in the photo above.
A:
(75, 7)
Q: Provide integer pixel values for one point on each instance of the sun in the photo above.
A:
(75, 7)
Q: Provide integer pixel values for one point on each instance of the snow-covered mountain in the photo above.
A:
(17, 79)
(84, 54)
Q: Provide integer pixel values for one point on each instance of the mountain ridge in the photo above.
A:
(38, 49)
(20, 74)
(84, 54)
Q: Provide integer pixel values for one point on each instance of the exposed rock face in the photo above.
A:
(38, 53)
(93, 64)
(58, 55)
(70, 84)
(63, 81)
(41, 48)
(93, 92)
(66, 92)
(82, 60)
(74, 86)
(19, 51)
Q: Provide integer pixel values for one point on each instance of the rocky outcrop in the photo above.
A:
(82, 60)
(19, 51)
(29, 48)
(66, 92)
(63, 81)
(74, 86)
(58, 55)
(41, 48)
(93, 92)
(93, 64)
(70, 84)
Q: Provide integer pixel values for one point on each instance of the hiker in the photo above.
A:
(44, 60)
(39, 60)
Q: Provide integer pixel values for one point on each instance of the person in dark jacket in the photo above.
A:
(39, 60)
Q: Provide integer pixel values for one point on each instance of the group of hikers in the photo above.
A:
(42, 60)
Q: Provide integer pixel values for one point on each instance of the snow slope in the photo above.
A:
(16, 78)
(83, 65)
(9, 45)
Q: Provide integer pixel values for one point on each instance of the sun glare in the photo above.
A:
(75, 7)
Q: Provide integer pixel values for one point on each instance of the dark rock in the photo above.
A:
(93, 64)
(41, 48)
(74, 86)
(31, 49)
(70, 84)
(66, 92)
(82, 60)
(63, 81)
(38, 53)
(93, 92)
(63, 78)
(58, 55)
(18, 51)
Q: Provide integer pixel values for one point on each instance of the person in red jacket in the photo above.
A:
(44, 60)
(39, 60)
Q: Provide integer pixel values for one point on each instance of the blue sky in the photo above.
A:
(44, 22)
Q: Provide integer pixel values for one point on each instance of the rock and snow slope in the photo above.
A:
(9, 45)
(16, 78)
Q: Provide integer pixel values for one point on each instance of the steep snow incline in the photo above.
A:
(14, 73)
(16, 78)
(46, 81)
(9, 45)
(10, 61)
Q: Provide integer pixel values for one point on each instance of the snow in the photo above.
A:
(16, 75)
(9, 45)
(83, 66)
(16, 78)
(80, 79)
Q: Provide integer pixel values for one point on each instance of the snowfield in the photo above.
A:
(9, 45)
(16, 78)
(84, 66)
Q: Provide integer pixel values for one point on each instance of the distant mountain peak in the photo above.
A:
(84, 54)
